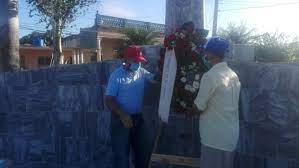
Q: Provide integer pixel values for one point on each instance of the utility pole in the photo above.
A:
(9, 36)
(215, 20)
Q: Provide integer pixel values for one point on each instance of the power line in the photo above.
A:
(256, 2)
(253, 5)
(257, 7)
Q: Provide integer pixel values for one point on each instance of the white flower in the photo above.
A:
(197, 77)
(194, 63)
(183, 79)
(177, 34)
(188, 87)
(182, 35)
(196, 85)
(183, 72)
(183, 104)
(183, 68)
(193, 90)
(190, 66)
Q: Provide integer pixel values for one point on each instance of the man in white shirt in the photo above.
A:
(217, 102)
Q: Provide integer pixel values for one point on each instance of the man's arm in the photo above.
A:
(110, 100)
(152, 78)
(206, 91)
(117, 111)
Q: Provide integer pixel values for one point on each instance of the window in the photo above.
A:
(44, 61)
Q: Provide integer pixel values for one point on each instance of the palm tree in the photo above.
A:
(136, 36)
(9, 35)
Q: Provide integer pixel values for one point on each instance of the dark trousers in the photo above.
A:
(124, 139)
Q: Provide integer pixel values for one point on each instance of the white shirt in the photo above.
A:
(218, 98)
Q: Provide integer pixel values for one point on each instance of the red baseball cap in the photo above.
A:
(135, 53)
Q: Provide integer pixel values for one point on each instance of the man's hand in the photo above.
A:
(126, 120)
(117, 111)
(191, 112)
(157, 80)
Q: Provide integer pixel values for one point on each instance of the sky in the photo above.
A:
(263, 15)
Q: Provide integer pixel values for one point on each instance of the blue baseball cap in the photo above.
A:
(217, 45)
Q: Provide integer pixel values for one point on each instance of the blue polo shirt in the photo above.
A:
(128, 88)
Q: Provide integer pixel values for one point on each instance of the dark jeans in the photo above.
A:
(124, 139)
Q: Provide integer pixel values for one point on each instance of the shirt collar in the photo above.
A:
(220, 65)
(128, 72)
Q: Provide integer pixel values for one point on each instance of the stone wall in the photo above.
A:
(269, 115)
(56, 117)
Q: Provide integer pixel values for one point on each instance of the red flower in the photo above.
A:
(171, 37)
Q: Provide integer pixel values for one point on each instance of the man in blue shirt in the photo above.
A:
(124, 97)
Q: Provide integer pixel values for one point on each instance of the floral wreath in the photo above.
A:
(188, 44)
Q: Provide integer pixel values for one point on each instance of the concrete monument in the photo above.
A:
(181, 11)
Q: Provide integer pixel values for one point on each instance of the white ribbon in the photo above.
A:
(168, 80)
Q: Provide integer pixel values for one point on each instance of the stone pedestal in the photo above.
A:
(181, 11)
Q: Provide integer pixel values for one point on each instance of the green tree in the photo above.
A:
(47, 37)
(294, 50)
(272, 48)
(238, 34)
(57, 14)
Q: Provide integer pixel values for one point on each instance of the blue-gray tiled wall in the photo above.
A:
(56, 117)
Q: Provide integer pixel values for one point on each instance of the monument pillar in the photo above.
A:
(181, 11)
(183, 132)
(9, 36)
